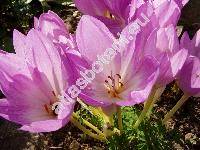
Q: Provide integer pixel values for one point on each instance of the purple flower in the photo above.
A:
(181, 3)
(161, 43)
(114, 77)
(116, 14)
(51, 25)
(189, 78)
(54, 28)
(32, 81)
(166, 11)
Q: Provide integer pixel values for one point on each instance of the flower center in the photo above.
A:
(48, 107)
(108, 15)
(114, 85)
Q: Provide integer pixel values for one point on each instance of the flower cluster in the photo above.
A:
(124, 52)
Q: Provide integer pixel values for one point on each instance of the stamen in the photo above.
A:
(114, 86)
(46, 108)
(117, 80)
(108, 85)
(121, 84)
(54, 110)
(53, 93)
(119, 76)
(107, 14)
(111, 78)
(49, 110)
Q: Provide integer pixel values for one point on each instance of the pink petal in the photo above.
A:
(50, 23)
(168, 13)
(138, 88)
(43, 126)
(189, 77)
(91, 7)
(11, 64)
(92, 37)
(47, 59)
(19, 42)
(178, 60)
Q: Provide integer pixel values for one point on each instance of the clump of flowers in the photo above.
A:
(123, 53)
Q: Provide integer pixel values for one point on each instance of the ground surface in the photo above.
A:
(186, 121)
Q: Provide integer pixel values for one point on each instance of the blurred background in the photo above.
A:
(19, 14)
